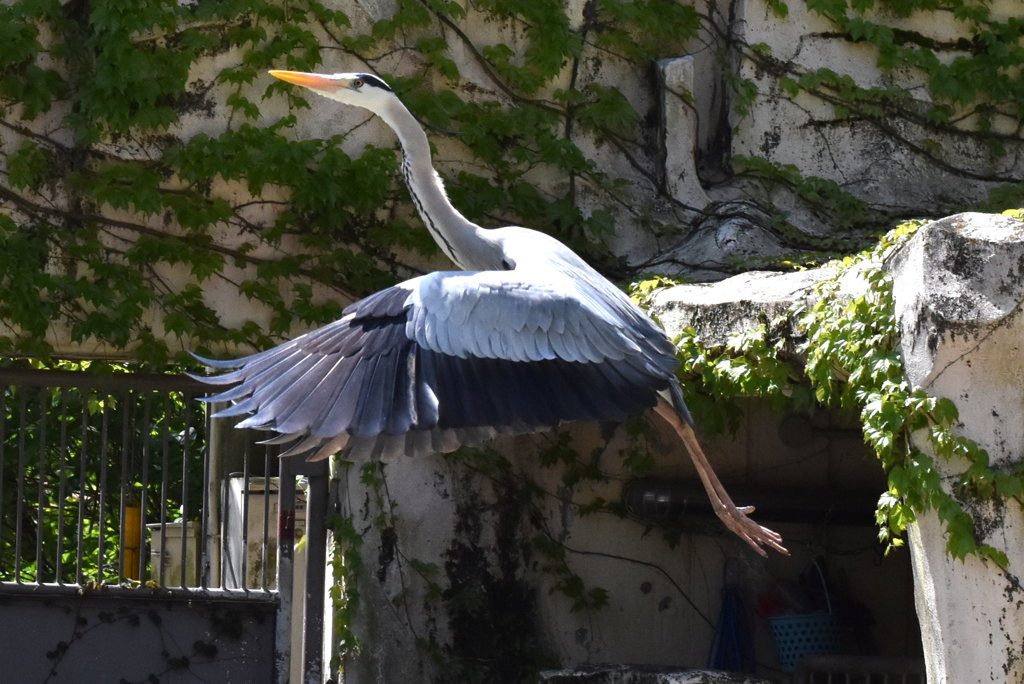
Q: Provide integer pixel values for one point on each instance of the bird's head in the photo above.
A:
(362, 90)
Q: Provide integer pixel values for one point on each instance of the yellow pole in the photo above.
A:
(132, 524)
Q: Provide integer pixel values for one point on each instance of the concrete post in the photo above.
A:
(959, 287)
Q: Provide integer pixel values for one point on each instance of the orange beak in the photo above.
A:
(307, 80)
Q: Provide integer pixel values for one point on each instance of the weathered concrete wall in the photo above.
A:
(685, 206)
(462, 535)
(895, 159)
(116, 635)
(484, 568)
(959, 294)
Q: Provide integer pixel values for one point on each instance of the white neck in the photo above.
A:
(454, 233)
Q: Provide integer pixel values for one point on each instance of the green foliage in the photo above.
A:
(71, 458)
(751, 364)
(111, 194)
(973, 77)
(934, 95)
(852, 363)
(838, 207)
(346, 563)
(986, 76)
(103, 179)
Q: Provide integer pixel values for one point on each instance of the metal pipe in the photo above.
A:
(265, 545)
(316, 563)
(19, 506)
(186, 447)
(285, 568)
(82, 469)
(246, 474)
(158, 571)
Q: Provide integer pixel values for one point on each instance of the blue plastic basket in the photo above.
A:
(798, 636)
(801, 635)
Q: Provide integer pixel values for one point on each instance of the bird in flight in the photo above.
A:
(523, 337)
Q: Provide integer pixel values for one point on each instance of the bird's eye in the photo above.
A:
(357, 83)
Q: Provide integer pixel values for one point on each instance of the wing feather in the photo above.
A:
(528, 316)
(339, 417)
(285, 392)
(453, 358)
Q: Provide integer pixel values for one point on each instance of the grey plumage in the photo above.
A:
(468, 354)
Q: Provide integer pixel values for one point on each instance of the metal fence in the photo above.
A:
(123, 481)
(108, 480)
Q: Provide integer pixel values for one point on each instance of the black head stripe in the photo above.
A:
(371, 80)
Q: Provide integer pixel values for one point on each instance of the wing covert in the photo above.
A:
(523, 315)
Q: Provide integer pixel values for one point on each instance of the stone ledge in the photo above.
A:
(639, 674)
(720, 310)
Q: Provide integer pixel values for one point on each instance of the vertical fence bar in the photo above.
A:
(19, 507)
(246, 472)
(62, 488)
(285, 568)
(164, 486)
(206, 544)
(82, 468)
(123, 557)
(157, 572)
(41, 486)
(101, 550)
(265, 546)
(186, 442)
(316, 564)
(3, 462)
(130, 436)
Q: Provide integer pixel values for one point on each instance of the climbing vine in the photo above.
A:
(842, 352)
(147, 160)
(134, 188)
(146, 163)
(947, 78)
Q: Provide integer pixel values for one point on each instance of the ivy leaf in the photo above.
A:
(960, 540)
(29, 165)
(608, 108)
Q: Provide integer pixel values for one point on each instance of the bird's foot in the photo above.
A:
(757, 536)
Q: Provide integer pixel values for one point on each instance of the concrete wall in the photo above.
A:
(683, 208)
(507, 544)
(959, 299)
(134, 635)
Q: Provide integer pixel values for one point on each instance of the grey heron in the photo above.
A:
(524, 337)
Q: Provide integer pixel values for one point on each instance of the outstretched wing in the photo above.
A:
(453, 358)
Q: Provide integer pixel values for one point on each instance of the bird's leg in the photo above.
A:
(734, 517)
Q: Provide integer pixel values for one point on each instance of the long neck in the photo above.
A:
(453, 232)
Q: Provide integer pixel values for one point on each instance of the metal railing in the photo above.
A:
(109, 480)
(123, 481)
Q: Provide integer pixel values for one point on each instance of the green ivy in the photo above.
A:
(974, 76)
(80, 82)
(851, 362)
(105, 194)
